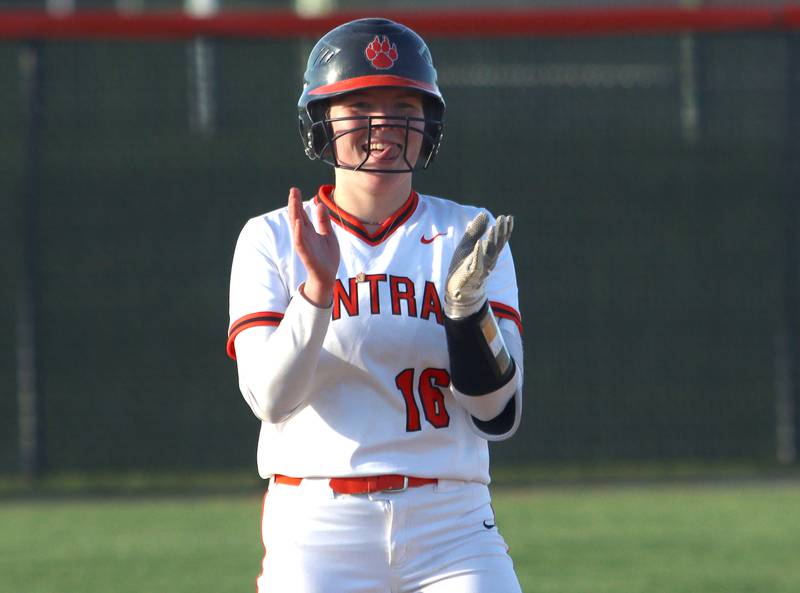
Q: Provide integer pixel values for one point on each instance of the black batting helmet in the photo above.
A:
(364, 54)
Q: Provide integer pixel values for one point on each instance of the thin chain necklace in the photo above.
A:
(339, 214)
(361, 276)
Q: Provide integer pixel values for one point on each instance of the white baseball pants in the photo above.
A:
(430, 539)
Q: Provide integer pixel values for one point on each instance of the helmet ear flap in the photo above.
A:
(306, 135)
(433, 112)
(315, 129)
(323, 130)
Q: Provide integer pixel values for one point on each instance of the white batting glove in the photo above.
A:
(473, 260)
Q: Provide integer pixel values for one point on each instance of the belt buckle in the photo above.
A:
(400, 488)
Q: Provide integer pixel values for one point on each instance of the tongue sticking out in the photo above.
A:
(387, 152)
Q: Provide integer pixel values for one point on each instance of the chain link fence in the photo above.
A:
(652, 179)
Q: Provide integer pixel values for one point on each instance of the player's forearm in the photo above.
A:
(489, 404)
(493, 404)
(276, 364)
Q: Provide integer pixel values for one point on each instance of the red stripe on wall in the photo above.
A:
(174, 25)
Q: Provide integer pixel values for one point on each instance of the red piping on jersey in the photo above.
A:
(373, 80)
(354, 226)
(506, 312)
(270, 318)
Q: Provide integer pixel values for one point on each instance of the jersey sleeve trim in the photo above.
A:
(271, 318)
(506, 312)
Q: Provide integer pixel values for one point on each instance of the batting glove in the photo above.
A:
(473, 260)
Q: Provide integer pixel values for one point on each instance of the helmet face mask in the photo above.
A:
(362, 55)
(368, 124)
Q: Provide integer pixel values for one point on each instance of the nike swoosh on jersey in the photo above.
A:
(488, 525)
(426, 241)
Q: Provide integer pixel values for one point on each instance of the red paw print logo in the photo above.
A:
(381, 53)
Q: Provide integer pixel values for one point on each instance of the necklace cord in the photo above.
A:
(339, 213)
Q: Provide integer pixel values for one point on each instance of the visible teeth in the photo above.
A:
(379, 146)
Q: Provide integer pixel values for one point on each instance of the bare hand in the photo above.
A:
(319, 251)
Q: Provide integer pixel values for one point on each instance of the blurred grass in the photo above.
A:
(690, 539)
(149, 482)
(130, 483)
(731, 538)
(156, 545)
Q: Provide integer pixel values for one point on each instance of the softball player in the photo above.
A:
(378, 339)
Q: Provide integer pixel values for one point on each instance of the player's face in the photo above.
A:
(384, 136)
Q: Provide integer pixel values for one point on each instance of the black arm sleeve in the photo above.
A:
(476, 366)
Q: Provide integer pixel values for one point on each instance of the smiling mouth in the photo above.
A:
(383, 151)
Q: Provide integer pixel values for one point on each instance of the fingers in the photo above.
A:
(509, 225)
(468, 242)
(477, 226)
(505, 225)
(496, 239)
(298, 220)
(297, 238)
(501, 231)
(302, 243)
(324, 220)
(297, 213)
(294, 199)
(295, 207)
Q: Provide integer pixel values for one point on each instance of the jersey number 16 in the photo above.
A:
(431, 382)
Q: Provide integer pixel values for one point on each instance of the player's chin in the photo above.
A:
(378, 166)
(399, 160)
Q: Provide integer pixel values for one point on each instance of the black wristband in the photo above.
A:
(479, 360)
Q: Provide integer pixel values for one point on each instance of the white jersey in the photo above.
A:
(379, 398)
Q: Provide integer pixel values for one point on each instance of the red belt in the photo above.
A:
(366, 484)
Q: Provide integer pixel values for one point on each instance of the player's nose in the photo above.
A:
(386, 122)
(384, 110)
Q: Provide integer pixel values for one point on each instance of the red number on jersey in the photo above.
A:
(430, 382)
(432, 397)
(405, 383)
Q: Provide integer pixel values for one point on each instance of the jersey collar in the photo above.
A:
(352, 225)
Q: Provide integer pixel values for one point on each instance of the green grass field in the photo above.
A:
(734, 538)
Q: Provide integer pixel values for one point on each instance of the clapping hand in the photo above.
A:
(318, 250)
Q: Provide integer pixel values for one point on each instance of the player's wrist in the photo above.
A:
(461, 308)
(319, 294)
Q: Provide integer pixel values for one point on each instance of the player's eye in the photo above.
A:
(361, 105)
(408, 109)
